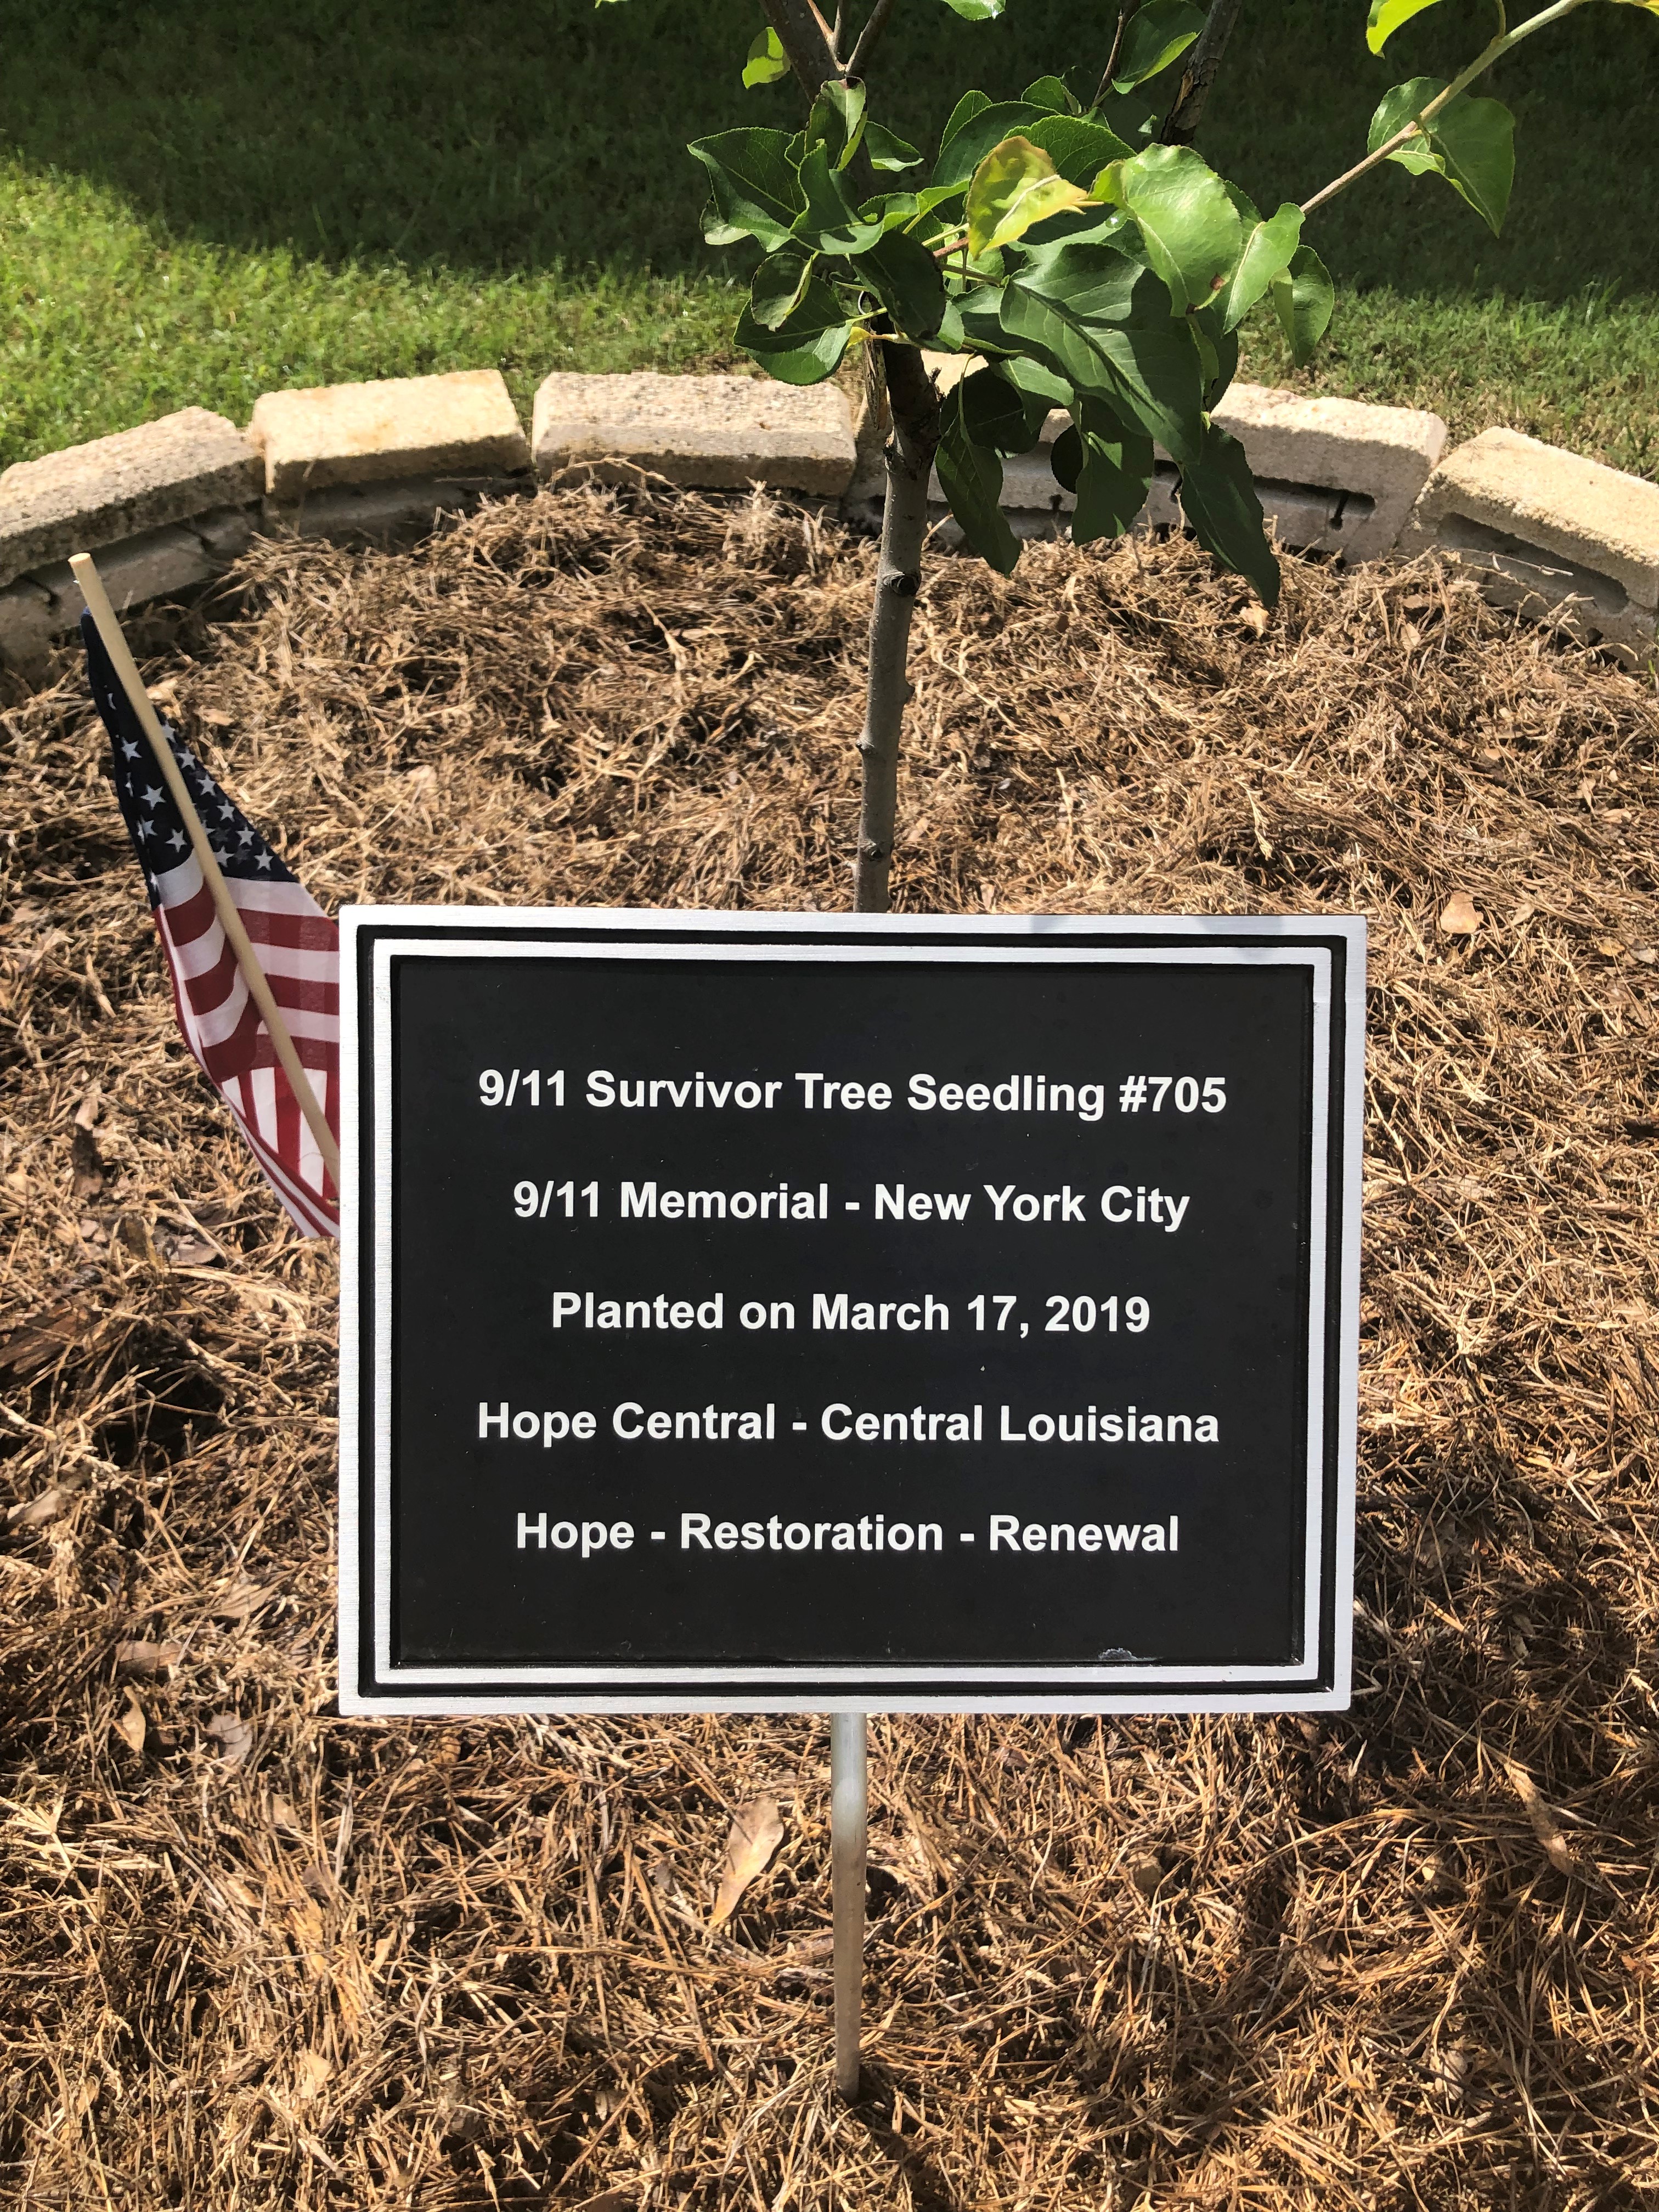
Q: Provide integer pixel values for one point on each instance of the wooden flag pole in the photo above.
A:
(230, 921)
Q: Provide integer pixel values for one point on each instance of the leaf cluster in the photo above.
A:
(1429, 128)
(1086, 266)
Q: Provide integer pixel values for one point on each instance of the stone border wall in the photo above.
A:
(167, 507)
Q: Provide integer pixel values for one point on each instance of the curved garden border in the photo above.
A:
(169, 506)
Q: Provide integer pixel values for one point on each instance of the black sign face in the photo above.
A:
(756, 1311)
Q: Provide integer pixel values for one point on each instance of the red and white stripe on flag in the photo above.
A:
(293, 940)
(299, 949)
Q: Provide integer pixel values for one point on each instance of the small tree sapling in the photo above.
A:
(1085, 259)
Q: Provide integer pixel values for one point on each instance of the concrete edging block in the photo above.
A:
(1333, 476)
(1550, 532)
(113, 489)
(707, 433)
(26, 630)
(156, 564)
(1338, 476)
(388, 512)
(413, 425)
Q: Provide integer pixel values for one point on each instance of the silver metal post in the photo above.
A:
(849, 1821)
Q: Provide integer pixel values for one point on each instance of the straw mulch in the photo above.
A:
(254, 1955)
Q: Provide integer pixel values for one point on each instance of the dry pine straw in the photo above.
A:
(257, 1956)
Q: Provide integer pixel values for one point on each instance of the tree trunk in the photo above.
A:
(1197, 74)
(806, 38)
(915, 411)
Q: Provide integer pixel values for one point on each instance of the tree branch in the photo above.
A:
(1482, 62)
(1203, 60)
(805, 40)
(1372, 161)
(868, 37)
(1128, 9)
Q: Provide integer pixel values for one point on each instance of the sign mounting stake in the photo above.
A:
(849, 1824)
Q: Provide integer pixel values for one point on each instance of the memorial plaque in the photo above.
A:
(766, 1311)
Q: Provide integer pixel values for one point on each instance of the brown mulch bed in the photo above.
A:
(251, 1954)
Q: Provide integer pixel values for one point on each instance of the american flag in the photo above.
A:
(297, 946)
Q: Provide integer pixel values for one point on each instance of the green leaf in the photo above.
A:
(1221, 363)
(970, 105)
(906, 278)
(836, 122)
(1148, 376)
(1268, 248)
(779, 285)
(1218, 499)
(767, 60)
(714, 230)
(1401, 104)
(973, 139)
(1110, 469)
(1303, 299)
(1097, 283)
(755, 187)
(1065, 458)
(1079, 147)
(807, 345)
(1209, 361)
(1038, 384)
(887, 151)
(933, 196)
(892, 211)
(951, 337)
(976, 11)
(1014, 186)
(1085, 228)
(1470, 143)
(829, 222)
(1052, 93)
(1190, 226)
(1386, 16)
(999, 417)
(1131, 115)
(972, 481)
(1475, 138)
(1156, 33)
(979, 315)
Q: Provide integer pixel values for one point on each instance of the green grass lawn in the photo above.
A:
(199, 202)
